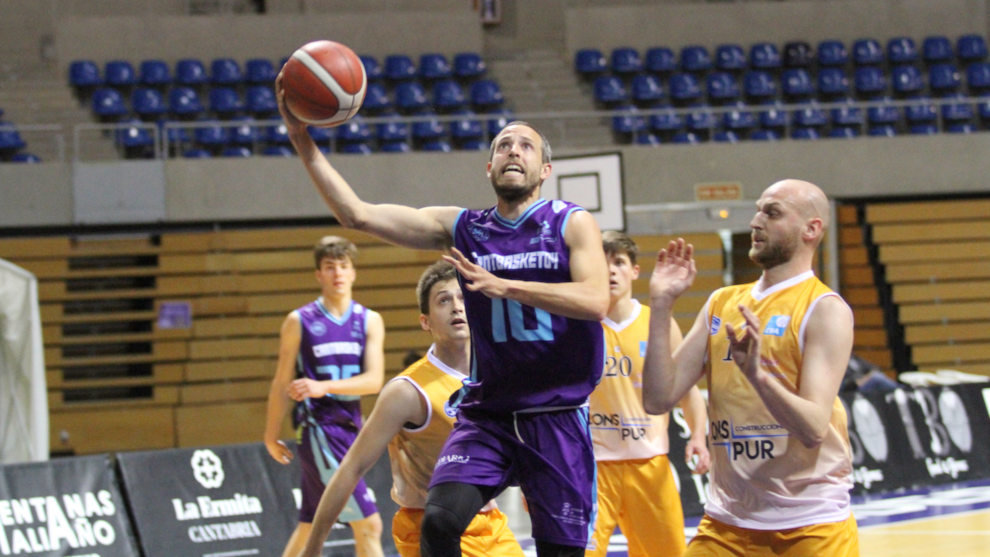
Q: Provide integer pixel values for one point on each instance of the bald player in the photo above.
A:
(774, 353)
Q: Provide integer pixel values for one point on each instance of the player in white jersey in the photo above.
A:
(774, 353)
(636, 484)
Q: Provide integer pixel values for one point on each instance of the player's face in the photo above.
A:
(336, 276)
(621, 274)
(447, 320)
(517, 167)
(775, 230)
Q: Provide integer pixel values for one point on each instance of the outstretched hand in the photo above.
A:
(290, 120)
(674, 271)
(744, 343)
(476, 278)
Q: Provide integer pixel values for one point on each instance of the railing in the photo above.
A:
(168, 139)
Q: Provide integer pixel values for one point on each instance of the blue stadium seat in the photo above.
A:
(867, 52)
(196, 153)
(869, 82)
(646, 89)
(725, 136)
(906, 80)
(700, 119)
(184, 103)
(832, 52)
(983, 109)
(695, 59)
(498, 119)
(355, 130)
(805, 133)
(434, 66)
(109, 105)
(627, 120)
(647, 138)
(259, 71)
(923, 129)
(764, 56)
(921, 111)
(901, 50)
(225, 102)
(660, 60)
(277, 151)
(722, 87)
(798, 54)
(884, 114)
(246, 132)
(394, 147)
(392, 130)
(259, 101)
(684, 88)
(959, 127)
(148, 103)
(773, 117)
(190, 72)
(796, 85)
(438, 145)
(759, 86)
(399, 67)
(609, 90)
(154, 73)
(119, 73)
(936, 49)
(10, 139)
(428, 129)
(448, 95)
(843, 132)
(84, 74)
(225, 71)
(957, 112)
(810, 116)
(590, 63)
(739, 120)
(211, 135)
(372, 69)
(943, 79)
(686, 138)
(410, 96)
(485, 94)
(376, 98)
(236, 151)
(470, 127)
(883, 130)
(276, 135)
(25, 157)
(832, 83)
(468, 66)
(978, 78)
(625, 61)
(666, 122)
(322, 136)
(847, 116)
(730, 57)
(764, 135)
(971, 48)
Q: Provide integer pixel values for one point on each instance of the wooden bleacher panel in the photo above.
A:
(935, 259)
(200, 425)
(857, 285)
(87, 431)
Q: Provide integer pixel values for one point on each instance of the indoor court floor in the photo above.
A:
(951, 520)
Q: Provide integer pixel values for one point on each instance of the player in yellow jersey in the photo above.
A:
(411, 418)
(636, 486)
(774, 353)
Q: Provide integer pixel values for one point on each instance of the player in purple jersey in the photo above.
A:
(331, 351)
(536, 286)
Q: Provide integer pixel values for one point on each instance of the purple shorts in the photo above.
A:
(320, 451)
(548, 455)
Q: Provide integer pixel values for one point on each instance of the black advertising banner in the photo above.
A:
(878, 442)
(227, 500)
(67, 506)
(693, 487)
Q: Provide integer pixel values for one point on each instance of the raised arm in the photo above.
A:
(827, 346)
(426, 228)
(585, 297)
(279, 402)
(667, 375)
(398, 404)
(367, 382)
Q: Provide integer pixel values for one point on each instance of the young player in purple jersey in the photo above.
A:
(331, 351)
(536, 286)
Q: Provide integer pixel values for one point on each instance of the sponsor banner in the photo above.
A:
(228, 500)
(693, 487)
(67, 506)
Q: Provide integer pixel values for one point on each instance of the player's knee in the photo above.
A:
(441, 523)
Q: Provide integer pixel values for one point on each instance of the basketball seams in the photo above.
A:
(316, 65)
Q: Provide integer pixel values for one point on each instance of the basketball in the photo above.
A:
(324, 83)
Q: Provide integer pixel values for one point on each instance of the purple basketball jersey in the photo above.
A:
(524, 357)
(331, 348)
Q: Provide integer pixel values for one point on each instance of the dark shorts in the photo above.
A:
(548, 455)
(320, 451)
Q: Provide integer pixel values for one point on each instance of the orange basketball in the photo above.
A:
(324, 83)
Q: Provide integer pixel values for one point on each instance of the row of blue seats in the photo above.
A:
(795, 84)
(733, 57)
(109, 104)
(12, 145)
(261, 71)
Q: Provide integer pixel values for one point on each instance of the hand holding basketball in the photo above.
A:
(324, 83)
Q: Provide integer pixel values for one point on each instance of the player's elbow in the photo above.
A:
(656, 405)
(813, 439)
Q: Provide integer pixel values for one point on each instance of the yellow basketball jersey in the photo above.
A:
(620, 427)
(761, 477)
(414, 451)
